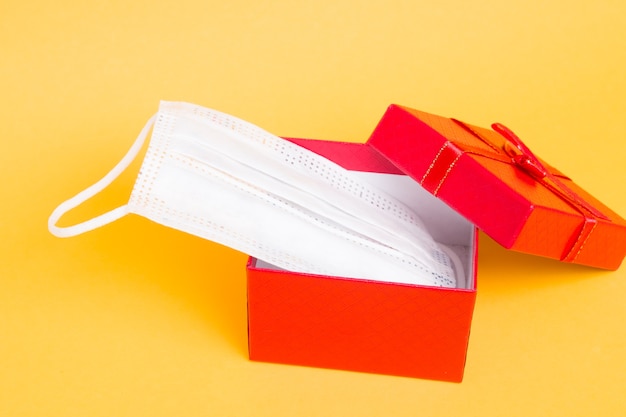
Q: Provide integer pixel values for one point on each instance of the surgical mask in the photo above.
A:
(223, 179)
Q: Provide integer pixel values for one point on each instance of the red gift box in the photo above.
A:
(448, 171)
(363, 325)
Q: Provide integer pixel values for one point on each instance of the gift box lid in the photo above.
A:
(491, 177)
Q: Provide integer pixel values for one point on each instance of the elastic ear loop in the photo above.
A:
(91, 191)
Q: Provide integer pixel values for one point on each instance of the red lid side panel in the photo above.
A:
(537, 236)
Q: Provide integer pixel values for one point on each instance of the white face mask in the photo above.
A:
(226, 180)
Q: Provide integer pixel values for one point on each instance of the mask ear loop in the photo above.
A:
(96, 188)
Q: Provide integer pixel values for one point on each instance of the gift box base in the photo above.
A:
(362, 325)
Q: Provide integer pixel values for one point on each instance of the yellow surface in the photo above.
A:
(138, 320)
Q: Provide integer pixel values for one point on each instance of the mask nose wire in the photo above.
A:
(78, 199)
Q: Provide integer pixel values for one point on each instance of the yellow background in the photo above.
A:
(138, 320)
